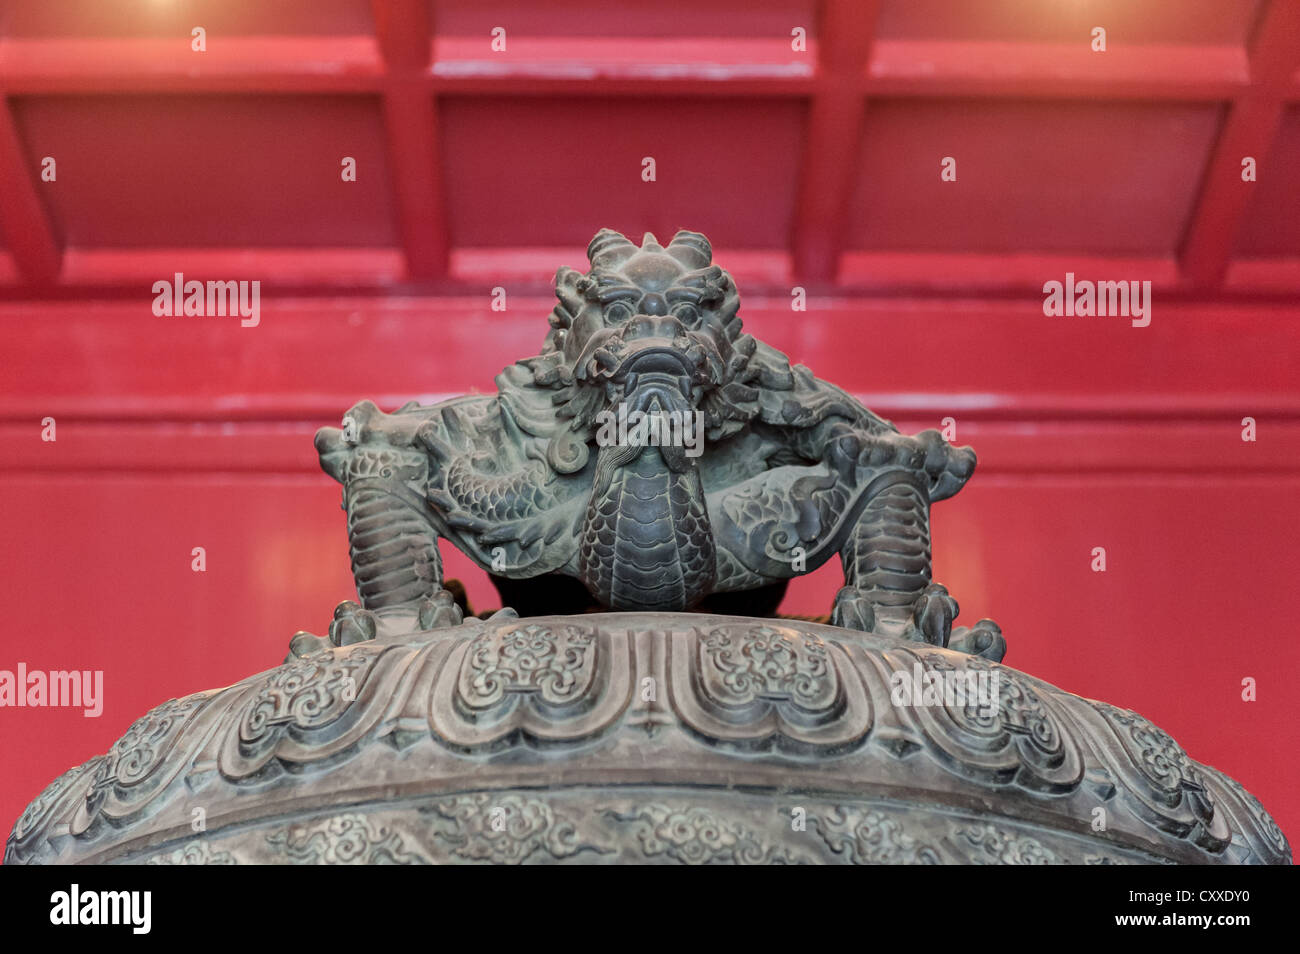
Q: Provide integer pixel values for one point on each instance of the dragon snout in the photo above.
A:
(644, 325)
(662, 343)
(651, 349)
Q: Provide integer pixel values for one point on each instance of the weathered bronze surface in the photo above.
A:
(660, 737)
(415, 734)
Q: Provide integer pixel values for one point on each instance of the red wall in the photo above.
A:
(817, 169)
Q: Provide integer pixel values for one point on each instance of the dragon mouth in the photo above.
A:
(633, 370)
(654, 369)
(654, 360)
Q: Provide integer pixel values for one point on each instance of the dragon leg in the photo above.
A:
(396, 565)
(395, 559)
(886, 561)
(889, 588)
(391, 538)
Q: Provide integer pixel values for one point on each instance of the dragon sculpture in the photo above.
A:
(535, 485)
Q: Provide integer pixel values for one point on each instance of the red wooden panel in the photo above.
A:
(582, 164)
(733, 59)
(700, 62)
(220, 170)
(1076, 177)
(830, 145)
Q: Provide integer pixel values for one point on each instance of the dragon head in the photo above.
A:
(650, 329)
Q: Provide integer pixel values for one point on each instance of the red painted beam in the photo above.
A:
(653, 61)
(960, 68)
(960, 274)
(328, 269)
(689, 84)
(405, 28)
(1252, 124)
(417, 176)
(832, 139)
(28, 231)
(254, 64)
(955, 277)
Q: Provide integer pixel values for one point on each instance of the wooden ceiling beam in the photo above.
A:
(1252, 124)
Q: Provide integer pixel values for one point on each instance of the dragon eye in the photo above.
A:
(686, 313)
(617, 312)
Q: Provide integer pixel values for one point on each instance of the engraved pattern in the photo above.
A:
(195, 853)
(1271, 835)
(1160, 758)
(557, 663)
(1020, 740)
(136, 754)
(349, 839)
(141, 764)
(697, 836)
(988, 845)
(760, 686)
(739, 667)
(36, 814)
(534, 683)
(655, 826)
(866, 837)
(306, 694)
(507, 829)
(384, 463)
(1167, 786)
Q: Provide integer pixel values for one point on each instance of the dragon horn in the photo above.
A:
(609, 248)
(691, 249)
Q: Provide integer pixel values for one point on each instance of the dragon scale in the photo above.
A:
(645, 536)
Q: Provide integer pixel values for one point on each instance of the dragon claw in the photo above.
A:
(984, 639)
(352, 624)
(303, 644)
(932, 615)
(853, 610)
(439, 610)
